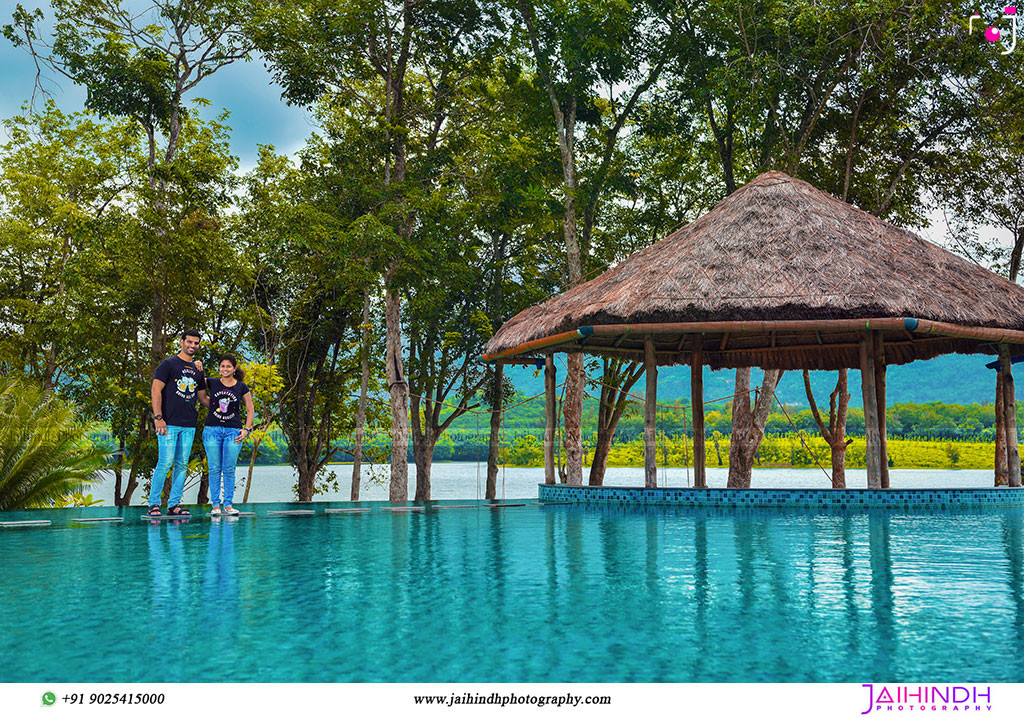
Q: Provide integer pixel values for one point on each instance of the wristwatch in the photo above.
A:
(158, 417)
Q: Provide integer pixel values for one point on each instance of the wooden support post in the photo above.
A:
(650, 413)
(697, 402)
(867, 384)
(1002, 469)
(883, 448)
(550, 419)
(1010, 418)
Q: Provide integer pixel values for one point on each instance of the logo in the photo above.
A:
(928, 698)
(993, 34)
(223, 405)
(186, 384)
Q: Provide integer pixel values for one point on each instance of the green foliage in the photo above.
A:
(45, 453)
(76, 500)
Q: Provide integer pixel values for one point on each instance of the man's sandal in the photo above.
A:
(177, 510)
(154, 511)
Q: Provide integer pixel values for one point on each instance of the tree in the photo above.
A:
(835, 433)
(140, 64)
(580, 51)
(618, 378)
(748, 424)
(364, 53)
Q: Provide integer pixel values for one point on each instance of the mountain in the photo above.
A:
(954, 378)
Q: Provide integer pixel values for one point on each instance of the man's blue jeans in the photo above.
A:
(174, 449)
(222, 455)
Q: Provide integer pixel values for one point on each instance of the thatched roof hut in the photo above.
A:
(778, 275)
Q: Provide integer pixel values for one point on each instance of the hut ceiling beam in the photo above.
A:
(931, 329)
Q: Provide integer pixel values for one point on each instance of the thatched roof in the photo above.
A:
(778, 250)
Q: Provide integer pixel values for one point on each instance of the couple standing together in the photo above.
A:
(179, 381)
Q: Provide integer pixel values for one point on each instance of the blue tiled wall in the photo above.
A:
(787, 497)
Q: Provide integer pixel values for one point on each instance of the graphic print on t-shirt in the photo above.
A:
(226, 405)
(181, 381)
(186, 386)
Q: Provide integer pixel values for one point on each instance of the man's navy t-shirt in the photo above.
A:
(225, 402)
(181, 382)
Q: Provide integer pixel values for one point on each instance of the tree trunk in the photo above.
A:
(883, 444)
(1010, 418)
(494, 442)
(398, 491)
(839, 464)
(118, 470)
(364, 385)
(125, 499)
(252, 464)
(650, 414)
(204, 487)
(835, 433)
(423, 455)
(602, 447)
(748, 425)
(618, 378)
(307, 478)
(572, 413)
(1002, 469)
(870, 397)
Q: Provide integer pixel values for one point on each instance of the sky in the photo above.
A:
(245, 89)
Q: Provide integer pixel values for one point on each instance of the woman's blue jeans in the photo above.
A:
(174, 448)
(222, 456)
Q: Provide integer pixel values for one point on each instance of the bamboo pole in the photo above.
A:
(550, 418)
(650, 409)
(867, 383)
(697, 402)
(883, 447)
(1002, 470)
(1010, 417)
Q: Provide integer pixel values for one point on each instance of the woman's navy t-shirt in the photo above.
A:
(225, 404)
(182, 380)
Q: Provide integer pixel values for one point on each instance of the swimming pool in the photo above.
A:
(556, 593)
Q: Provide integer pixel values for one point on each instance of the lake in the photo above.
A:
(465, 481)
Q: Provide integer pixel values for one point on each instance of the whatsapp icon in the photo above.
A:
(49, 698)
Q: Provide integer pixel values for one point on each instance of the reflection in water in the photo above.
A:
(1013, 543)
(220, 580)
(881, 593)
(701, 592)
(168, 577)
(547, 593)
(497, 561)
(849, 585)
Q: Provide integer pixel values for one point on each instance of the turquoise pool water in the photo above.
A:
(536, 593)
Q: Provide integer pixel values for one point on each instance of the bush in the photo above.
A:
(45, 452)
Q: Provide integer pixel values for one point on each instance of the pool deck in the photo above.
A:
(829, 498)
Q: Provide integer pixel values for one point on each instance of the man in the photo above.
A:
(178, 382)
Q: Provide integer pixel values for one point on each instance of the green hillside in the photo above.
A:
(956, 378)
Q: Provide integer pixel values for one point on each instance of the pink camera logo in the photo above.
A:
(993, 34)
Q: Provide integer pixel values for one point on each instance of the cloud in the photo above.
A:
(245, 89)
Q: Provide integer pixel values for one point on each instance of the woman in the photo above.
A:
(223, 433)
